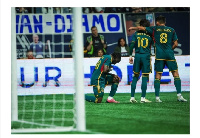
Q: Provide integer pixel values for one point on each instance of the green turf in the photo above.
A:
(168, 117)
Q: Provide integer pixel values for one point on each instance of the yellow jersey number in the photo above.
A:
(141, 42)
(97, 65)
(163, 38)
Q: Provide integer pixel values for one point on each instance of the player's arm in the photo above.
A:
(106, 69)
(175, 44)
(137, 28)
(131, 52)
(116, 78)
(175, 40)
(132, 44)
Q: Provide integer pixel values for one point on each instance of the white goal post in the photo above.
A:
(79, 101)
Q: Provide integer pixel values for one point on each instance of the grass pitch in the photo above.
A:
(168, 117)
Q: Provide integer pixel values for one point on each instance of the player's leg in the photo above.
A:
(98, 90)
(157, 86)
(145, 78)
(136, 70)
(133, 86)
(114, 85)
(90, 98)
(159, 65)
(173, 67)
(146, 70)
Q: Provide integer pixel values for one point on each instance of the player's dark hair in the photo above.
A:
(144, 23)
(93, 27)
(161, 19)
(116, 56)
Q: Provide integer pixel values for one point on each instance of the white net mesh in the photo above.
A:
(45, 96)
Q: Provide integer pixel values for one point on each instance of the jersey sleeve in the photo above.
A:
(174, 38)
(107, 61)
(150, 29)
(132, 44)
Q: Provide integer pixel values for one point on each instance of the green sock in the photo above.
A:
(157, 87)
(144, 85)
(177, 83)
(133, 85)
(90, 98)
(113, 89)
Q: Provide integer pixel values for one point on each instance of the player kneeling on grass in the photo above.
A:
(101, 77)
(141, 41)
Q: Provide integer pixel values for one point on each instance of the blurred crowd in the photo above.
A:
(50, 10)
(96, 44)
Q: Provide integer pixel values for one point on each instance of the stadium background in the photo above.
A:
(58, 29)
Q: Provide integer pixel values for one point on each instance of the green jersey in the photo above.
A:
(141, 41)
(163, 37)
(98, 71)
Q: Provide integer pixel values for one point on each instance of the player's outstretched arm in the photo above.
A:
(137, 28)
(132, 28)
(175, 44)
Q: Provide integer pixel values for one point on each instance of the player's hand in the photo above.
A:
(111, 68)
(131, 60)
(116, 79)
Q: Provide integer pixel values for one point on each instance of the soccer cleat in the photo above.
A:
(145, 101)
(158, 101)
(111, 101)
(181, 99)
(133, 100)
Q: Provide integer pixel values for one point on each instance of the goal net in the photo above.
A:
(47, 76)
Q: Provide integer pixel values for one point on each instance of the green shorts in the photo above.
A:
(142, 62)
(160, 64)
(100, 84)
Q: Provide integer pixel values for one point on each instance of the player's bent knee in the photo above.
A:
(175, 73)
(158, 75)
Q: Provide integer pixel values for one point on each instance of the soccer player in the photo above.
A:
(165, 42)
(141, 41)
(101, 77)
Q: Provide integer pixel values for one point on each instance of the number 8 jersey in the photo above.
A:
(163, 37)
